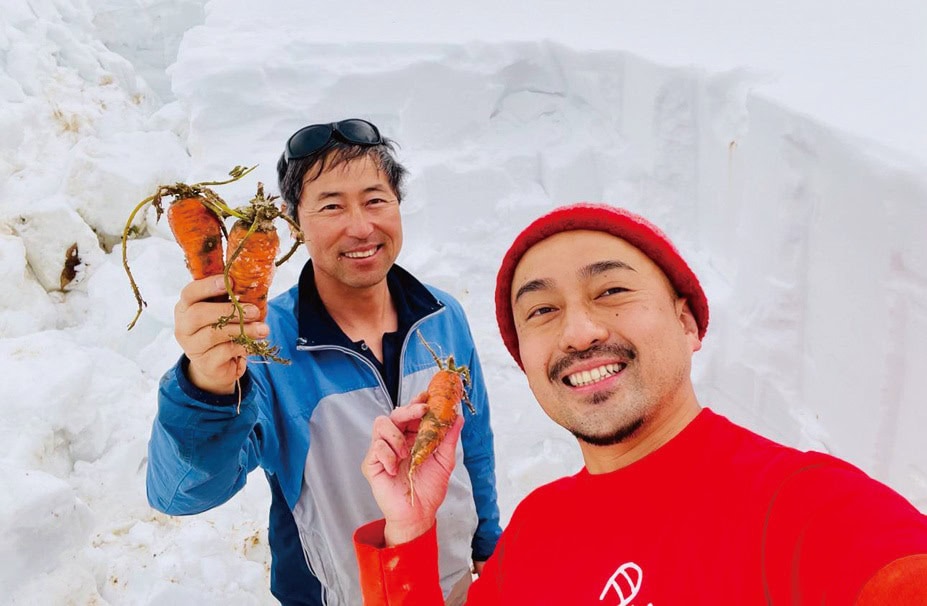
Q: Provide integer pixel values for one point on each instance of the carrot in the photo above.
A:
(198, 231)
(445, 391)
(249, 268)
(196, 216)
(193, 227)
(251, 255)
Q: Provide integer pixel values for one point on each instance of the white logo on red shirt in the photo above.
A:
(626, 582)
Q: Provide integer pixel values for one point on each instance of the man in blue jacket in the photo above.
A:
(351, 328)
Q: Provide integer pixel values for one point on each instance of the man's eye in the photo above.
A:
(539, 311)
(328, 208)
(613, 291)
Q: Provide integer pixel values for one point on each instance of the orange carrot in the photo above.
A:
(250, 265)
(196, 216)
(251, 254)
(445, 391)
(199, 232)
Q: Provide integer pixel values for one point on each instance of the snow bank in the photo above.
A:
(809, 242)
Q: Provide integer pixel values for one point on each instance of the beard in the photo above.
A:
(616, 436)
(594, 435)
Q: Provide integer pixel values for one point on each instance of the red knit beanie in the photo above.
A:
(632, 228)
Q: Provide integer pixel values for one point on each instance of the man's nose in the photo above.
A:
(581, 329)
(359, 224)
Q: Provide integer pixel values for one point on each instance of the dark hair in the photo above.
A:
(290, 174)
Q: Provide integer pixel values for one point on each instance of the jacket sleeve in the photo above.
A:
(202, 447)
(403, 575)
(480, 461)
(830, 528)
(407, 574)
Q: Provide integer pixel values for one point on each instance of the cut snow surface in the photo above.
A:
(780, 144)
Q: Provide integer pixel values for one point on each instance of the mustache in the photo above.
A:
(626, 352)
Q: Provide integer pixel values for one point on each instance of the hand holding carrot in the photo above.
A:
(196, 215)
(386, 467)
(216, 362)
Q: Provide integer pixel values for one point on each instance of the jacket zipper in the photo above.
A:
(300, 346)
(405, 344)
(350, 352)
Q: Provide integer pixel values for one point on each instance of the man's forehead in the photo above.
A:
(342, 179)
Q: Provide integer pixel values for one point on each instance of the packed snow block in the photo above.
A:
(147, 33)
(61, 248)
(70, 583)
(12, 120)
(108, 177)
(42, 518)
(24, 306)
(66, 423)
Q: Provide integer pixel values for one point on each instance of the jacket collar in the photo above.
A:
(316, 327)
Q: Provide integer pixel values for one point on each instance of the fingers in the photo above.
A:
(200, 290)
(188, 320)
(220, 359)
(404, 415)
(381, 456)
(197, 307)
(390, 442)
(388, 447)
(215, 361)
(195, 318)
(197, 339)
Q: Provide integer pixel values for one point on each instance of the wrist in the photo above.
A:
(198, 380)
(397, 533)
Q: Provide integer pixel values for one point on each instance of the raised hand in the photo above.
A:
(386, 468)
(216, 363)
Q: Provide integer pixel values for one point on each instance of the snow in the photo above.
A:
(782, 145)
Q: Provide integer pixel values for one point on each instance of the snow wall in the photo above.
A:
(810, 244)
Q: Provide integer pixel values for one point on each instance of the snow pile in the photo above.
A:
(808, 239)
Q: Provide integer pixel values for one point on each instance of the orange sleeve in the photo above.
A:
(402, 575)
(904, 581)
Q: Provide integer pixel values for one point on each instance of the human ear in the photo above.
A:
(689, 325)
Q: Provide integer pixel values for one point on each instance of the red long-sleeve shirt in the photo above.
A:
(719, 515)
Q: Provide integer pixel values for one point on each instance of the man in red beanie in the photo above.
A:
(675, 504)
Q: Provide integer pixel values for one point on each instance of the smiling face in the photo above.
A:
(605, 342)
(349, 215)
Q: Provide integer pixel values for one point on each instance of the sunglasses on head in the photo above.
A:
(310, 139)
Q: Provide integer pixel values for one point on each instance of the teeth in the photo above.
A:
(362, 254)
(588, 377)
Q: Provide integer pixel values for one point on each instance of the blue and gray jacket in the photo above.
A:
(308, 425)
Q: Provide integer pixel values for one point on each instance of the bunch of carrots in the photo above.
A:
(445, 391)
(196, 215)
